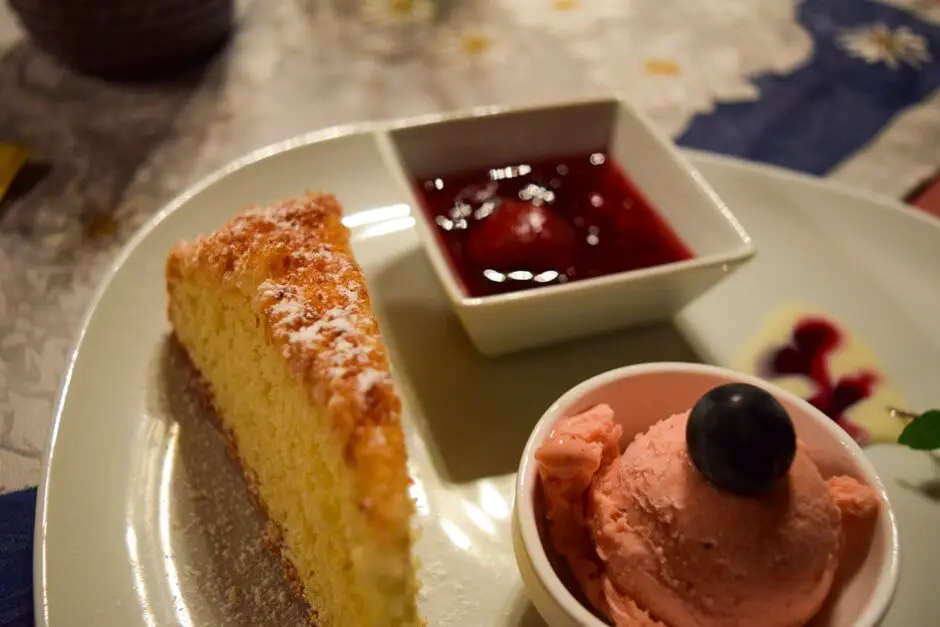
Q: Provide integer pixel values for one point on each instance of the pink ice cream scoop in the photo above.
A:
(651, 541)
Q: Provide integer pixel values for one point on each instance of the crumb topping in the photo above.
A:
(293, 260)
(340, 336)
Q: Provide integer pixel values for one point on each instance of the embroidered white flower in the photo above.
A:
(673, 72)
(469, 44)
(563, 17)
(396, 12)
(879, 43)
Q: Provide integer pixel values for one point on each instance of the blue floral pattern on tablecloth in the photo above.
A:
(870, 62)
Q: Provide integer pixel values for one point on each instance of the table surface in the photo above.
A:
(111, 155)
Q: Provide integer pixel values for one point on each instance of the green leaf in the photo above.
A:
(922, 433)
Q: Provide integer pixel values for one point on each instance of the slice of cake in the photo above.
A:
(273, 312)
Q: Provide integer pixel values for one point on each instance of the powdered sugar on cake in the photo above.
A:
(288, 311)
(292, 259)
(329, 323)
(351, 292)
(340, 336)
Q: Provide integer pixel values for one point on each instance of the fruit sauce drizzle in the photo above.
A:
(811, 346)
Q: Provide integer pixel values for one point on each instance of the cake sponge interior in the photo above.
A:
(317, 433)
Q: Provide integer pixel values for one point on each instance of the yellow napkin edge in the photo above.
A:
(12, 158)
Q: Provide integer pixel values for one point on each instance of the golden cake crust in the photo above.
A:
(293, 261)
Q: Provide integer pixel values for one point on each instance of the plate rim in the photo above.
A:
(696, 157)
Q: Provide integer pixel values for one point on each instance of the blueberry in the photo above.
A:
(740, 438)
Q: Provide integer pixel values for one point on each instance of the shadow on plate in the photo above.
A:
(524, 614)
(929, 488)
(226, 573)
(477, 412)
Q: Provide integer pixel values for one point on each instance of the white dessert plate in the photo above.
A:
(143, 520)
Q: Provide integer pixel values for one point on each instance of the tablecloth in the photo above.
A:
(845, 89)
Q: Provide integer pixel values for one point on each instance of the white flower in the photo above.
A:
(879, 43)
(396, 12)
(566, 16)
(674, 72)
(469, 44)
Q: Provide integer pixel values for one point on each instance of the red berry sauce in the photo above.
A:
(524, 225)
(808, 354)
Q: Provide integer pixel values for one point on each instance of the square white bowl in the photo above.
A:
(545, 315)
